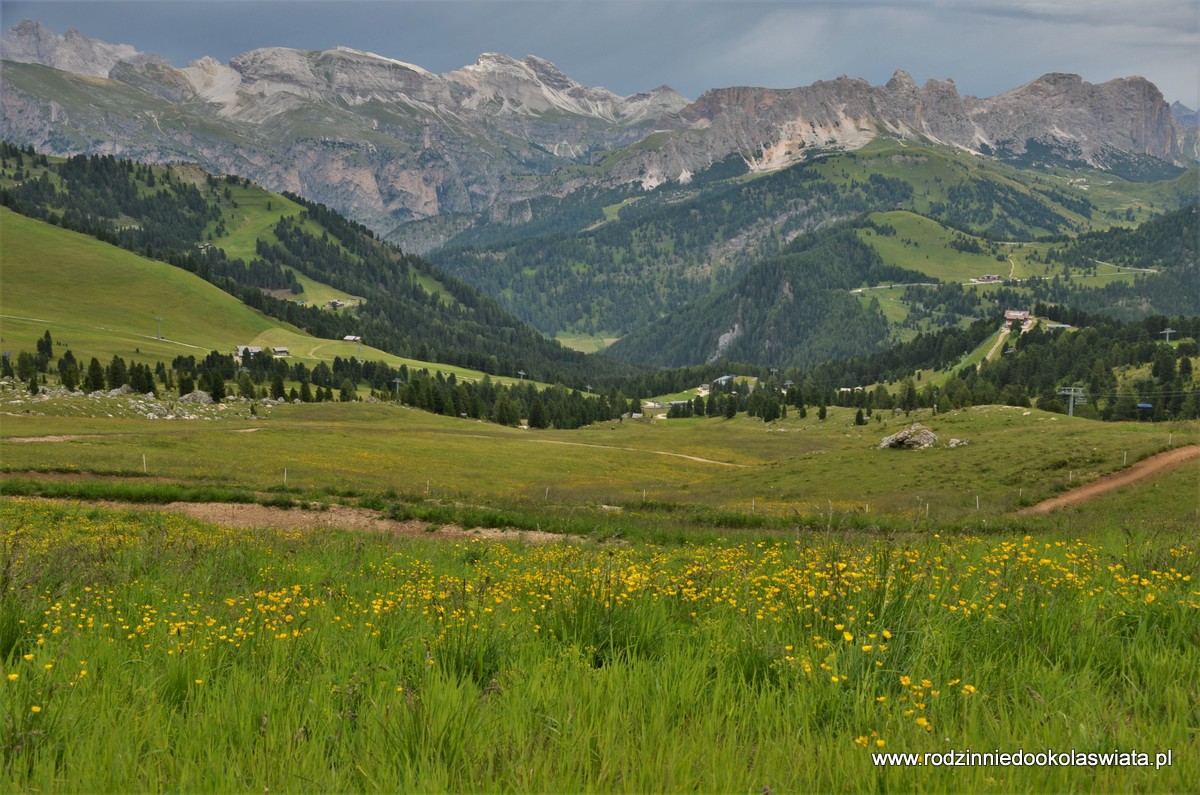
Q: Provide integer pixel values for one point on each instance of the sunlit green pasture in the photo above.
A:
(103, 301)
(923, 245)
(1014, 457)
(583, 343)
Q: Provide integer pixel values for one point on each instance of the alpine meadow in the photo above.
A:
(368, 428)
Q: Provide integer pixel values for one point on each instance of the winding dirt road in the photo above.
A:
(1146, 468)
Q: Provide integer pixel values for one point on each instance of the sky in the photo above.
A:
(985, 46)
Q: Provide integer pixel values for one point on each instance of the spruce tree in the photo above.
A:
(216, 386)
(94, 380)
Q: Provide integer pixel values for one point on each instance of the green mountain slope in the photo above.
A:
(105, 301)
(807, 306)
(791, 310)
(608, 261)
(100, 300)
(260, 246)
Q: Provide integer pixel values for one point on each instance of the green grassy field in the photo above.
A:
(793, 467)
(104, 301)
(733, 606)
(190, 656)
(923, 245)
(585, 344)
(728, 606)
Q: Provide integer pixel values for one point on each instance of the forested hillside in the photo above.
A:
(1161, 275)
(791, 310)
(610, 261)
(657, 256)
(410, 308)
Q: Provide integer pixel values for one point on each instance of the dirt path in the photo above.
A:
(57, 438)
(341, 517)
(1146, 468)
(640, 450)
(624, 449)
(992, 353)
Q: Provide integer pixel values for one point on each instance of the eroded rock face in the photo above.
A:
(32, 42)
(380, 140)
(386, 142)
(914, 437)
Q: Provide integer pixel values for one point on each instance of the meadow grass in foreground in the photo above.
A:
(148, 651)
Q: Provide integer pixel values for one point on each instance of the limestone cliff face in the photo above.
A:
(1188, 123)
(773, 128)
(382, 140)
(388, 142)
(1128, 115)
(32, 42)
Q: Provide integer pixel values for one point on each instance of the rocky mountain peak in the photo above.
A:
(388, 141)
(1184, 115)
(901, 81)
(549, 74)
(32, 42)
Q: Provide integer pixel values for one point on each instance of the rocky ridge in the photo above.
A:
(387, 142)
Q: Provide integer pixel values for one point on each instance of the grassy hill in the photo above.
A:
(288, 257)
(104, 300)
(100, 300)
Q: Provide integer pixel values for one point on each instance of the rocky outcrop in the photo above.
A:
(1188, 122)
(915, 437)
(1128, 115)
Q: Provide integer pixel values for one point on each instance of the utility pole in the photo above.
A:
(1168, 332)
(521, 373)
(1070, 393)
(397, 382)
(159, 319)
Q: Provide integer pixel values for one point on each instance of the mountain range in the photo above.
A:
(389, 143)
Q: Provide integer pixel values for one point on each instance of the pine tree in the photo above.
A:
(94, 380)
(118, 374)
(537, 414)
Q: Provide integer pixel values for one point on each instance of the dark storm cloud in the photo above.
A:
(986, 46)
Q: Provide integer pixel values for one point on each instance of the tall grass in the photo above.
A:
(135, 492)
(164, 653)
